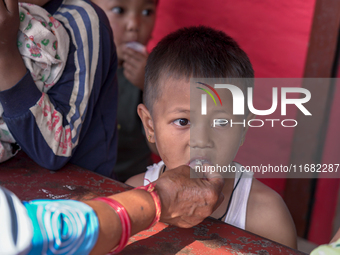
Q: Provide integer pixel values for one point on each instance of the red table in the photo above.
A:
(30, 181)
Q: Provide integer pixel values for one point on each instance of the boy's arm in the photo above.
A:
(48, 126)
(268, 216)
(136, 180)
(12, 67)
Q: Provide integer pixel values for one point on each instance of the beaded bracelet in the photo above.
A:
(124, 219)
(151, 189)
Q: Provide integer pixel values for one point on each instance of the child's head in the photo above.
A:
(130, 20)
(172, 118)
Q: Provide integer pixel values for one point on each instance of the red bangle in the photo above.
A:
(124, 219)
(151, 189)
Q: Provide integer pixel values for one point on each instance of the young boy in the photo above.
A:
(75, 120)
(172, 119)
(132, 22)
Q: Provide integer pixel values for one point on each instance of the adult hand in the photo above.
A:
(12, 67)
(188, 201)
(134, 66)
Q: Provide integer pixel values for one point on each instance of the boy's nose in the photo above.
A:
(200, 137)
(133, 23)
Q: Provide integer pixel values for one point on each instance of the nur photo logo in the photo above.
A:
(239, 103)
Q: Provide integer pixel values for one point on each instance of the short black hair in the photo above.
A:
(198, 52)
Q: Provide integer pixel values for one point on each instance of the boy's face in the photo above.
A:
(183, 135)
(130, 20)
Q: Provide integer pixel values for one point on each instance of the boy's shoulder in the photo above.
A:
(84, 9)
(266, 210)
(263, 195)
(264, 201)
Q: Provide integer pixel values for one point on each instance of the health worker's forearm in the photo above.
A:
(141, 209)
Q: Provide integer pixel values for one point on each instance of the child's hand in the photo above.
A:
(134, 65)
(9, 26)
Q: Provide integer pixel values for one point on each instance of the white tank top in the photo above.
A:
(237, 213)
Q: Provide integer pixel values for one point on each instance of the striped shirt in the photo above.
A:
(75, 121)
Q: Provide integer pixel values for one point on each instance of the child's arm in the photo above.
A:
(136, 180)
(268, 216)
(12, 67)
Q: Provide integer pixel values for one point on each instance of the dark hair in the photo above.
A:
(199, 52)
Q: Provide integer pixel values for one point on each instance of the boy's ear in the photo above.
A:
(249, 117)
(146, 118)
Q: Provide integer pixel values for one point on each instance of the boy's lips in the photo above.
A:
(199, 161)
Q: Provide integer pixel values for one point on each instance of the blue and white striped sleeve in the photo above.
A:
(62, 227)
(48, 125)
(46, 226)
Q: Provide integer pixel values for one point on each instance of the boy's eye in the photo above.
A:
(147, 12)
(118, 10)
(181, 122)
(220, 122)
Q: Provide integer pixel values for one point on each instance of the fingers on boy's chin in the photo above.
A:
(211, 175)
(196, 174)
